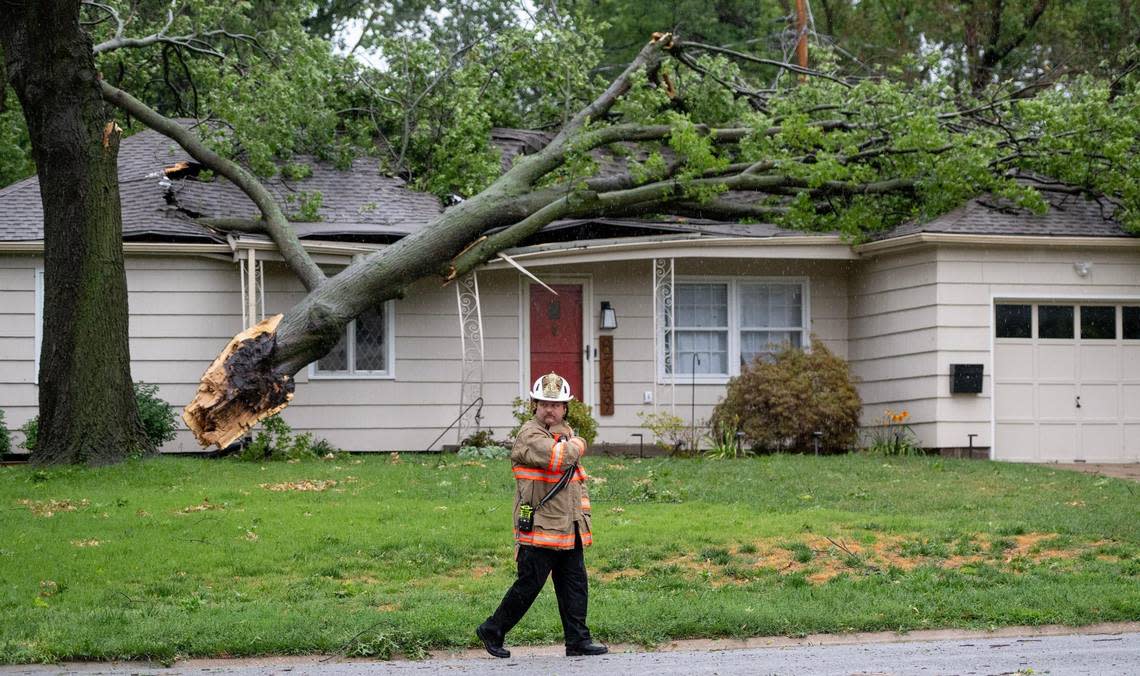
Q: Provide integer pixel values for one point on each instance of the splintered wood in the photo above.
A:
(239, 388)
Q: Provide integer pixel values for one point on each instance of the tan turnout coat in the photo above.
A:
(538, 460)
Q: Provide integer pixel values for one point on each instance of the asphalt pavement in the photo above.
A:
(1102, 650)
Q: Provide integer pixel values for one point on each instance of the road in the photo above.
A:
(970, 653)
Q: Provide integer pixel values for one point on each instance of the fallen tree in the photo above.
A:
(694, 135)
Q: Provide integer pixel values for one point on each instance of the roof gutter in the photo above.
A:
(684, 246)
(928, 238)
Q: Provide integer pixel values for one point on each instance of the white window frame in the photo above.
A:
(39, 320)
(734, 327)
(350, 353)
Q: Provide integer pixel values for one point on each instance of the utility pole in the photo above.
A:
(801, 33)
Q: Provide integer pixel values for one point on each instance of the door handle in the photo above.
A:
(1078, 401)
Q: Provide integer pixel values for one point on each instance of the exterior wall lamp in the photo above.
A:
(609, 316)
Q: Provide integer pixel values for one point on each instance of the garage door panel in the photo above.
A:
(1130, 361)
(1099, 362)
(1056, 362)
(1057, 401)
(1014, 361)
(1100, 402)
(1131, 401)
(1132, 442)
(1101, 443)
(1014, 401)
(1057, 442)
(1017, 442)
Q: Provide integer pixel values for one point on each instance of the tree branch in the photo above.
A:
(195, 42)
(754, 59)
(276, 223)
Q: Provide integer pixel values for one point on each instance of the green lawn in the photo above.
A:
(178, 557)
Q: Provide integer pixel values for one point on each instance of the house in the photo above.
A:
(1011, 334)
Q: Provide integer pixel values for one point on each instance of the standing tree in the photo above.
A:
(87, 404)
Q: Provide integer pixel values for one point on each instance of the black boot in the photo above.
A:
(492, 641)
(588, 647)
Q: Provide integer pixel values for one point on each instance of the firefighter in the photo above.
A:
(551, 528)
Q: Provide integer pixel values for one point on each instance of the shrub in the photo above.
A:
(482, 445)
(580, 418)
(670, 431)
(780, 404)
(158, 420)
(491, 452)
(31, 431)
(723, 444)
(479, 439)
(5, 437)
(275, 441)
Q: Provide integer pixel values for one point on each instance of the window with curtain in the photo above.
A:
(722, 325)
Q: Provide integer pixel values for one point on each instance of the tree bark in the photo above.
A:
(87, 407)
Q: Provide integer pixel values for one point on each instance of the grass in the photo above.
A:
(172, 557)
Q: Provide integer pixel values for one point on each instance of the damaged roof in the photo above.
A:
(161, 195)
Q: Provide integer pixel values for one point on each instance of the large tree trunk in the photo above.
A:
(88, 412)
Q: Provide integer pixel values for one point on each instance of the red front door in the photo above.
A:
(556, 334)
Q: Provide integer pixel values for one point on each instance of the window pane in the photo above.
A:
(702, 305)
(702, 352)
(371, 347)
(763, 343)
(1131, 321)
(337, 359)
(763, 305)
(1055, 321)
(1098, 322)
(1014, 321)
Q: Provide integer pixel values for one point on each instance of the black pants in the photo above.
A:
(571, 586)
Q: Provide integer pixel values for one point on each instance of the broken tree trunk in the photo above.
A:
(239, 388)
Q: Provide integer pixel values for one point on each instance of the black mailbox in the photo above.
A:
(965, 378)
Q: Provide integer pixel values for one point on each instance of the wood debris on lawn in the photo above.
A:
(48, 508)
(203, 506)
(306, 485)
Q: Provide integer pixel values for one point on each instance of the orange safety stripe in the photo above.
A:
(557, 452)
(557, 540)
(545, 475)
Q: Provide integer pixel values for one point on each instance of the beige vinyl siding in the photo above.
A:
(969, 277)
(409, 410)
(18, 391)
(183, 311)
(893, 337)
(915, 313)
(628, 287)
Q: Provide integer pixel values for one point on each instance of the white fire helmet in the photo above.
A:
(551, 387)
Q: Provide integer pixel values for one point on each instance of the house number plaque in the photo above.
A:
(606, 355)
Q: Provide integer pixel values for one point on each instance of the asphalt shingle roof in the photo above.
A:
(355, 202)
(362, 203)
(1068, 216)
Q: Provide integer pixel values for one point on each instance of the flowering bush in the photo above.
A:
(891, 435)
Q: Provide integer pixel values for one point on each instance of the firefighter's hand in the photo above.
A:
(580, 443)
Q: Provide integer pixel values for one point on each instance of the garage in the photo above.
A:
(1066, 380)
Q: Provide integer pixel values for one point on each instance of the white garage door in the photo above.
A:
(1067, 381)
